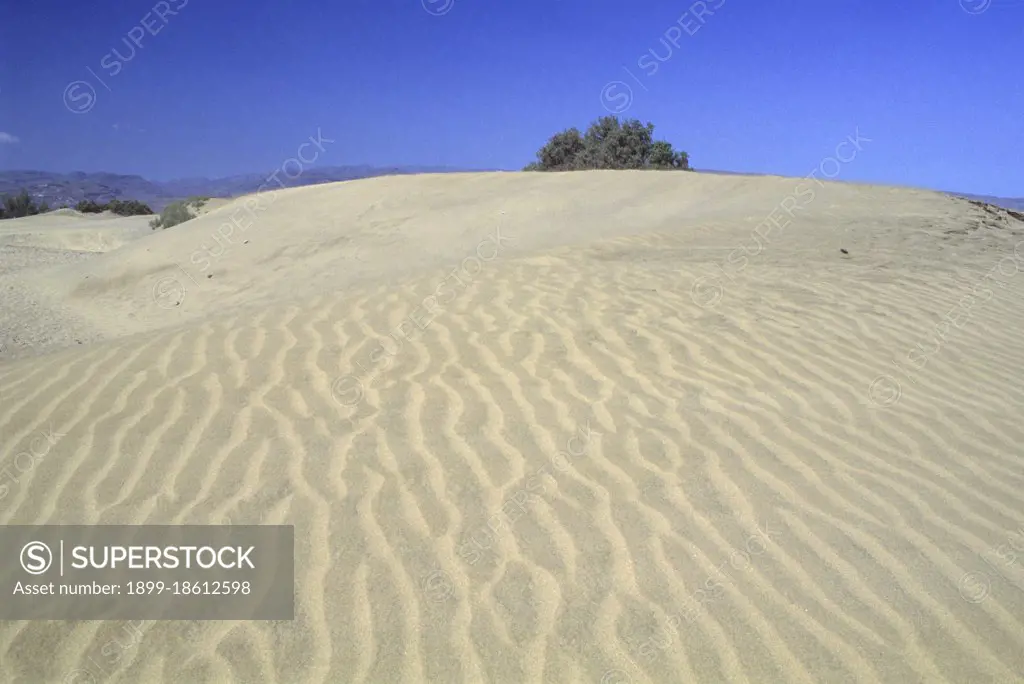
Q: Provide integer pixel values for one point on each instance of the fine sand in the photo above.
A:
(581, 427)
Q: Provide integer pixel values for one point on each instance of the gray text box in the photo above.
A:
(147, 572)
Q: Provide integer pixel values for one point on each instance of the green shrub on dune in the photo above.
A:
(129, 208)
(90, 207)
(609, 144)
(18, 206)
(173, 214)
(179, 212)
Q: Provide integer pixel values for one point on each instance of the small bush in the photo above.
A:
(129, 208)
(90, 207)
(608, 144)
(18, 206)
(173, 214)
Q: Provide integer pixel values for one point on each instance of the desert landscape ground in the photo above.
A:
(601, 426)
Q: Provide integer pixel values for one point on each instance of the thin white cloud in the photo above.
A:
(7, 138)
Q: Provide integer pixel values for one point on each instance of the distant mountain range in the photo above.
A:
(59, 189)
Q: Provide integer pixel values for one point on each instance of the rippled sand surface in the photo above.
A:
(584, 427)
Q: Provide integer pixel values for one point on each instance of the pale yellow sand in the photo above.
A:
(692, 474)
(70, 230)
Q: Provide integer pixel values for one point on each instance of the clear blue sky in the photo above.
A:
(227, 86)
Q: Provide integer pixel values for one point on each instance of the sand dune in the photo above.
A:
(66, 229)
(611, 446)
(33, 319)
